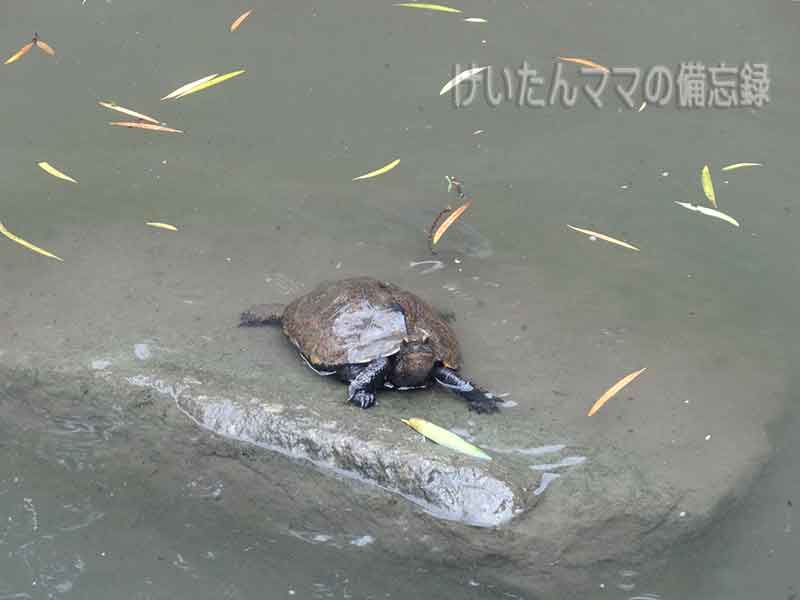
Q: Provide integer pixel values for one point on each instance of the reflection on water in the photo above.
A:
(77, 524)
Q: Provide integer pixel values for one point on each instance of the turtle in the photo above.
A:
(372, 334)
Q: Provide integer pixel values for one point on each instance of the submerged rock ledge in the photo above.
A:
(446, 487)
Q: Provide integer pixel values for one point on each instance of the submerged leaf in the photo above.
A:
(48, 168)
(381, 171)
(610, 392)
(708, 186)
(463, 76)
(605, 238)
(27, 244)
(446, 438)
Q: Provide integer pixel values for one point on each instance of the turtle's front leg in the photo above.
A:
(361, 391)
(479, 400)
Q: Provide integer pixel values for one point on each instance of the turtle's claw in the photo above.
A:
(363, 399)
(484, 406)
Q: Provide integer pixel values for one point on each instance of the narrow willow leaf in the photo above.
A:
(584, 62)
(158, 225)
(451, 218)
(240, 19)
(381, 171)
(445, 438)
(717, 214)
(48, 168)
(27, 244)
(611, 392)
(604, 237)
(437, 7)
(741, 165)
(463, 76)
(708, 186)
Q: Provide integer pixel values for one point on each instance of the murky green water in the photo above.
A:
(333, 90)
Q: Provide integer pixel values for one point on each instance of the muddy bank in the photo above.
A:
(153, 319)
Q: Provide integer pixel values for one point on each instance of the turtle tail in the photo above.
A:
(262, 314)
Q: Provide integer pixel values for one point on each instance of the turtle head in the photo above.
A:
(414, 361)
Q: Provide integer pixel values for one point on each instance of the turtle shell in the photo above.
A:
(355, 321)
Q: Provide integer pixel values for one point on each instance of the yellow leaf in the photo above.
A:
(240, 19)
(48, 168)
(445, 438)
(27, 244)
(605, 237)
(19, 53)
(735, 166)
(422, 5)
(210, 83)
(381, 171)
(188, 86)
(708, 186)
(610, 392)
(583, 61)
(162, 225)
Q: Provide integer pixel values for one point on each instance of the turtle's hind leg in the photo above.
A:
(262, 314)
(479, 400)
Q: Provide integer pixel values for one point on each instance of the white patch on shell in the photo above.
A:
(369, 332)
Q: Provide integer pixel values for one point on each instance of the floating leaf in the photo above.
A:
(463, 76)
(210, 83)
(148, 126)
(44, 47)
(128, 111)
(438, 7)
(48, 168)
(19, 53)
(585, 62)
(380, 171)
(610, 392)
(605, 237)
(162, 225)
(475, 20)
(188, 86)
(446, 438)
(708, 186)
(710, 212)
(735, 166)
(27, 244)
(240, 19)
(451, 218)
